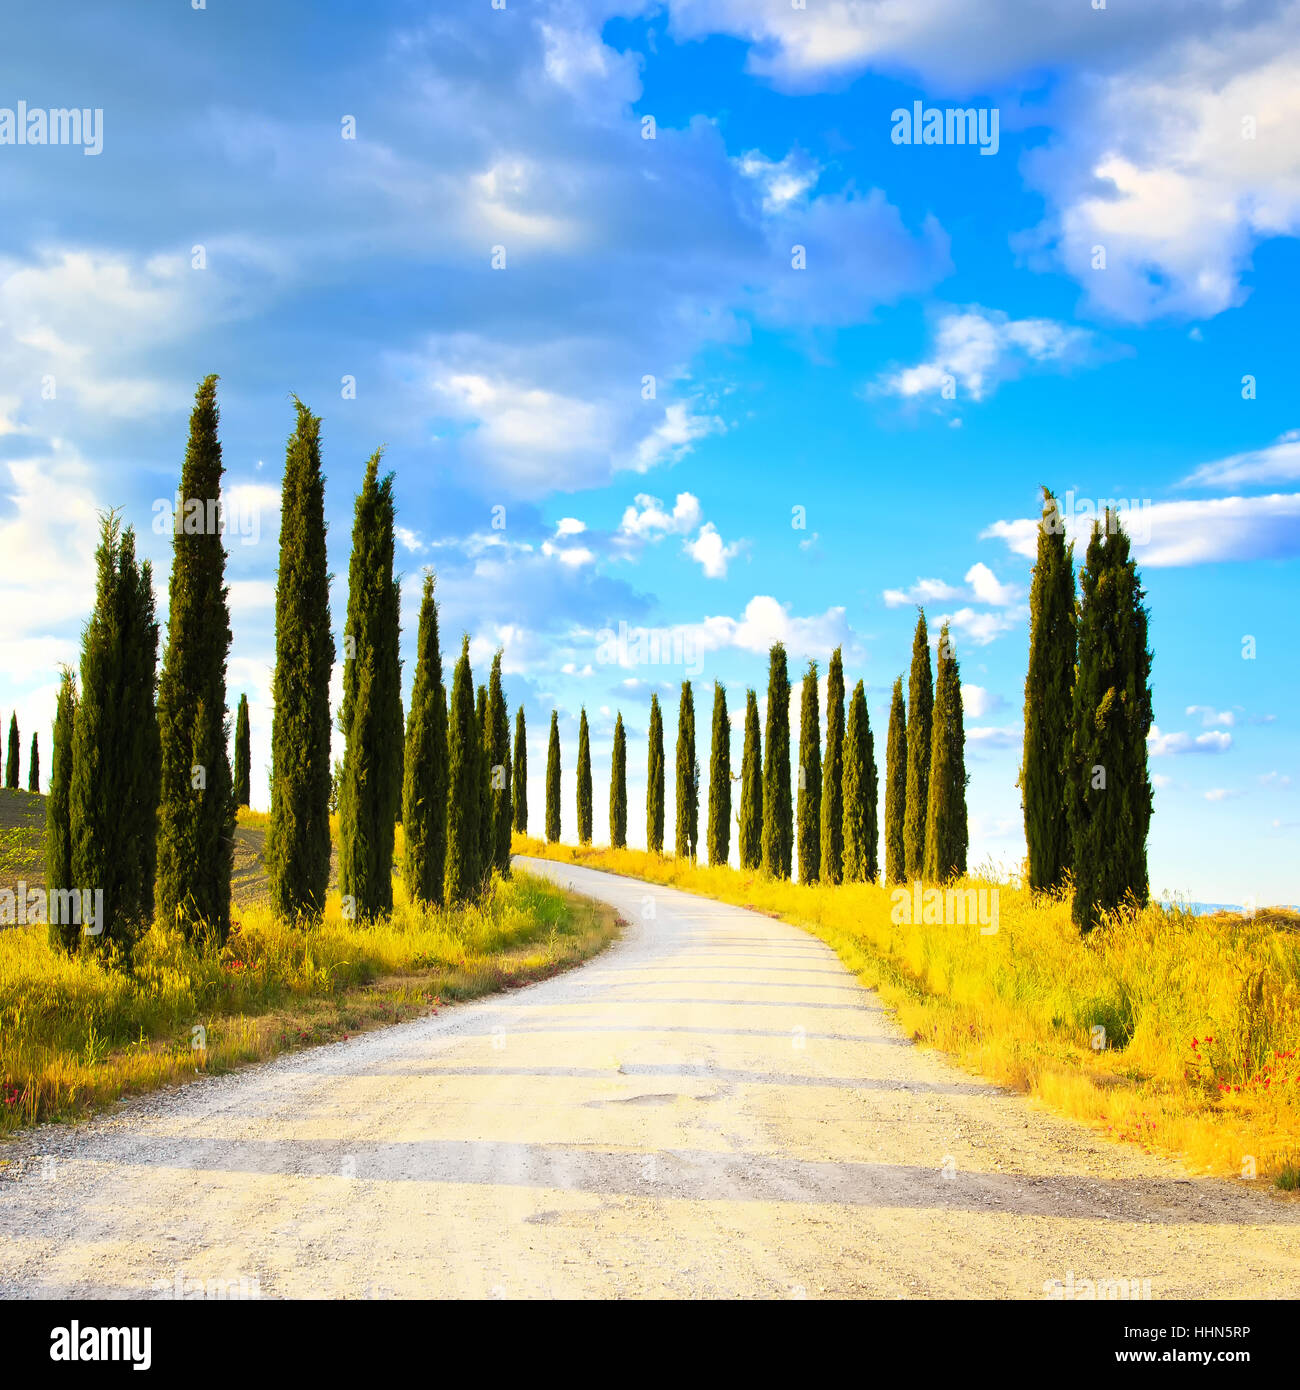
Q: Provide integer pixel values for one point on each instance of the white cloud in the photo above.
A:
(783, 181)
(1221, 794)
(977, 702)
(570, 526)
(1006, 737)
(981, 628)
(574, 556)
(977, 349)
(710, 553)
(1163, 745)
(1278, 462)
(646, 518)
(673, 437)
(1212, 718)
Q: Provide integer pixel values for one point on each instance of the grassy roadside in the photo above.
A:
(76, 1036)
(1201, 1015)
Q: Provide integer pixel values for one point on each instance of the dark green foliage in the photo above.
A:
(463, 875)
(424, 778)
(520, 790)
(1110, 792)
(1049, 681)
(945, 817)
(12, 771)
(778, 810)
(370, 717)
(196, 808)
(499, 725)
(553, 781)
(58, 808)
(810, 780)
(920, 708)
(618, 786)
(584, 780)
(896, 788)
(113, 802)
(34, 766)
(861, 826)
(751, 789)
(688, 778)
(243, 754)
(832, 827)
(654, 791)
(720, 780)
(302, 770)
(486, 835)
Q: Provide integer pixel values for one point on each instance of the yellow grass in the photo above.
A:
(75, 1034)
(1190, 1005)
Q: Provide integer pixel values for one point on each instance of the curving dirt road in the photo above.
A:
(714, 1107)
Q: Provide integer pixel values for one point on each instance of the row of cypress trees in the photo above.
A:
(13, 767)
(1084, 781)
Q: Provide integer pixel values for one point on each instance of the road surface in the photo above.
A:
(714, 1107)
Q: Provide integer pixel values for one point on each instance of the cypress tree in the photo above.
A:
(778, 812)
(58, 809)
(113, 799)
(720, 780)
(654, 792)
(499, 723)
(896, 788)
(688, 778)
(810, 781)
(196, 811)
(618, 786)
(1110, 791)
(584, 780)
(463, 874)
(1049, 681)
(751, 789)
(243, 755)
(553, 781)
(832, 828)
(34, 767)
(920, 707)
(12, 771)
(945, 817)
(486, 835)
(424, 779)
(861, 857)
(302, 773)
(370, 717)
(520, 791)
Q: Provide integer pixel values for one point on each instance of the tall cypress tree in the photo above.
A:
(370, 717)
(486, 834)
(243, 755)
(298, 840)
(778, 812)
(945, 817)
(720, 779)
(1110, 791)
(499, 723)
(618, 786)
(832, 827)
(896, 788)
(654, 790)
(34, 766)
(520, 789)
(688, 778)
(58, 809)
(858, 788)
(463, 872)
(424, 788)
(920, 707)
(810, 781)
(553, 781)
(1049, 681)
(584, 779)
(751, 789)
(113, 800)
(196, 811)
(12, 771)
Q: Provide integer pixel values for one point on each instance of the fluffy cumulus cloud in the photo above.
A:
(646, 518)
(975, 350)
(1276, 462)
(1161, 745)
(711, 552)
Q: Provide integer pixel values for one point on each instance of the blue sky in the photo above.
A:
(951, 341)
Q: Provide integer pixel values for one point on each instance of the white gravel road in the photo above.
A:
(712, 1108)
